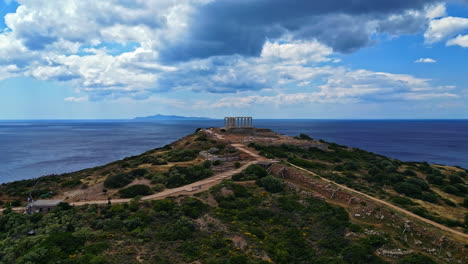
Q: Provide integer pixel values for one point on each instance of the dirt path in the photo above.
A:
(401, 210)
(189, 189)
(205, 184)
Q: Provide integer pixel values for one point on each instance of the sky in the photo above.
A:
(334, 59)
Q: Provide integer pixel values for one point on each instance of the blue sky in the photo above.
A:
(86, 59)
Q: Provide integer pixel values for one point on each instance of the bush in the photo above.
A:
(304, 137)
(159, 187)
(409, 173)
(351, 166)
(449, 202)
(422, 184)
(118, 180)
(70, 183)
(357, 254)
(402, 201)
(465, 202)
(417, 259)
(455, 179)
(216, 163)
(179, 176)
(429, 197)
(194, 208)
(434, 179)
(270, 184)
(135, 190)
(451, 189)
(201, 138)
(461, 188)
(207, 164)
(256, 170)
(139, 172)
(237, 165)
(409, 189)
(179, 155)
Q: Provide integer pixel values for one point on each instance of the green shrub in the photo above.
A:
(409, 189)
(270, 184)
(216, 163)
(237, 165)
(135, 190)
(179, 155)
(429, 197)
(417, 259)
(461, 188)
(304, 137)
(416, 181)
(118, 180)
(194, 208)
(179, 176)
(165, 205)
(451, 189)
(207, 164)
(465, 202)
(402, 201)
(140, 172)
(201, 138)
(159, 187)
(70, 183)
(449, 202)
(351, 166)
(434, 179)
(357, 254)
(455, 179)
(409, 173)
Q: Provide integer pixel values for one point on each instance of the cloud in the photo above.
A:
(444, 28)
(460, 40)
(134, 49)
(301, 52)
(338, 85)
(76, 99)
(436, 11)
(228, 27)
(425, 60)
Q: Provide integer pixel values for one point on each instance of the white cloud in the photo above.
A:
(425, 60)
(342, 85)
(76, 99)
(436, 11)
(460, 40)
(299, 52)
(74, 41)
(441, 29)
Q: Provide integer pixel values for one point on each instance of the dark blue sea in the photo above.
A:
(29, 149)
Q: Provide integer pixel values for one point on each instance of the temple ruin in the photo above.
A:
(238, 122)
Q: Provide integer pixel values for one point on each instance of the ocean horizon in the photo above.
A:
(34, 148)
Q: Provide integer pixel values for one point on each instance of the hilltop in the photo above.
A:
(247, 196)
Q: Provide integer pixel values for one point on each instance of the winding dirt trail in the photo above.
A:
(394, 207)
(189, 189)
(205, 184)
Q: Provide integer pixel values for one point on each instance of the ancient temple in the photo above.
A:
(238, 122)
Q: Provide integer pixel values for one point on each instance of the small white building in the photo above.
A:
(42, 206)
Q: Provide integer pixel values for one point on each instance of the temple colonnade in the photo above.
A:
(238, 122)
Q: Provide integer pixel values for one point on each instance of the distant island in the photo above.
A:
(159, 117)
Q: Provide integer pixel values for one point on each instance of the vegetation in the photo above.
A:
(166, 231)
(135, 190)
(378, 176)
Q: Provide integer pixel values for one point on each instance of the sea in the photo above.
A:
(29, 149)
